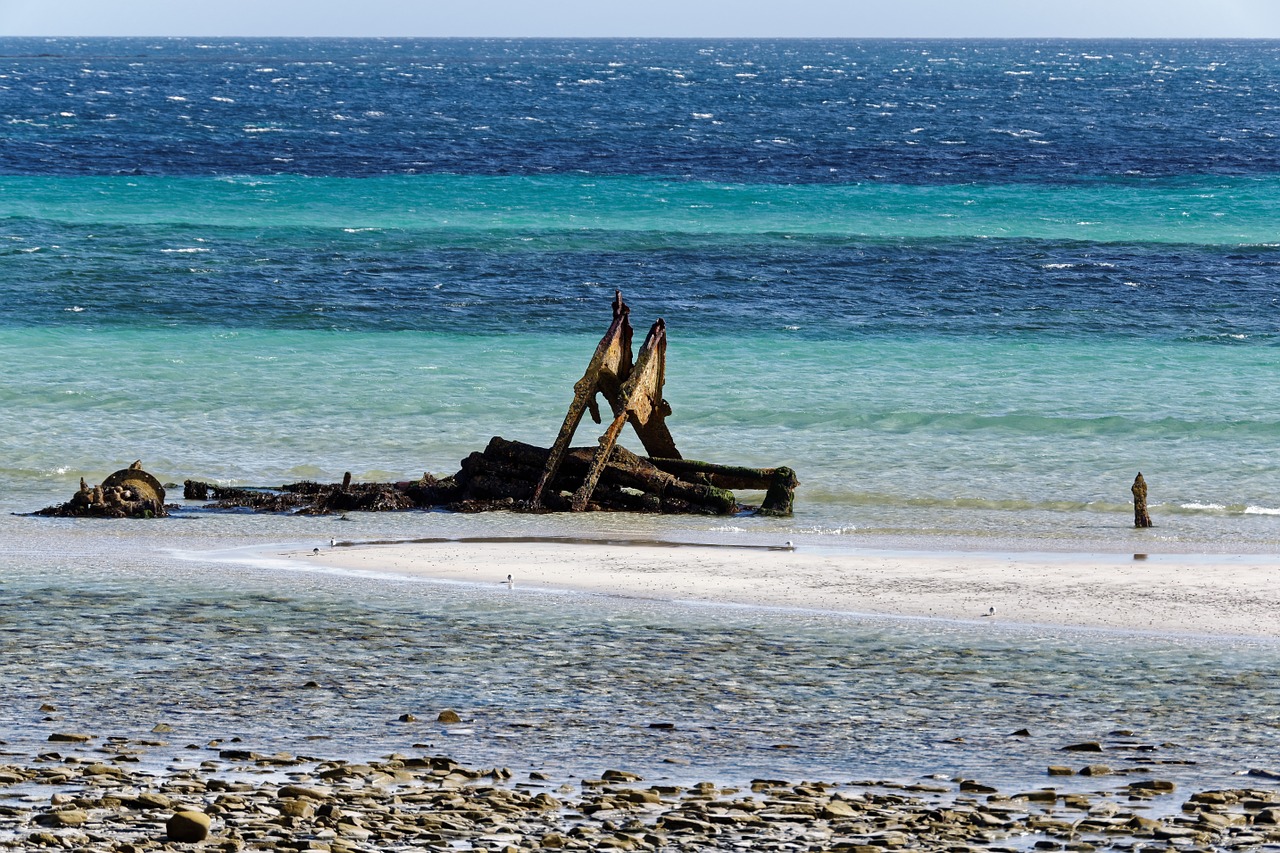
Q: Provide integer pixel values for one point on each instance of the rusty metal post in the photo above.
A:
(1141, 518)
(608, 369)
(641, 403)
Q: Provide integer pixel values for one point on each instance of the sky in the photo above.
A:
(650, 18)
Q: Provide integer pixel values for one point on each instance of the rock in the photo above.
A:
(1095, 770)
(1058, 770)
(1087, 746)
(407, 718)
(188, 827)
(151, 800)
(68, 737)
(297, 808)
(1160, 786)
(448, 716)
(619, 776)
(68, 817)
(545, 801)
(837, 809)
(300, 792)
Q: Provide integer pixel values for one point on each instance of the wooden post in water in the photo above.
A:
(1141, 518)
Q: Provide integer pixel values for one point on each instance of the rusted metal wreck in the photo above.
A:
(522, 477)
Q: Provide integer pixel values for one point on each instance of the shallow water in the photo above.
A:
(123, 630)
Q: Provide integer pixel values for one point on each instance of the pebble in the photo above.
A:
(407, 803)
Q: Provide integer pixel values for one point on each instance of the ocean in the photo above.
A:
(966, 289)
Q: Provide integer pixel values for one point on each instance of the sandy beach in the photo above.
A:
(1196, 595)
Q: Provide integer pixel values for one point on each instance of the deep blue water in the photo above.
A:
(739, 111)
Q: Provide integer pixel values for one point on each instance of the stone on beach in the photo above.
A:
(404, 803)
(188, 827)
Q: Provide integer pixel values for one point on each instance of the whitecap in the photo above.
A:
(1261, 510)
(74, 309)
(223, 100)
(175, 98)
(1058, 266)
(1195, 505)
(187, 251)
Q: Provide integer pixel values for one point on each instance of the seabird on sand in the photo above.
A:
(511, 584)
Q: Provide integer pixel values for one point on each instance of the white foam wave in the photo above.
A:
(1261, 510)
(188, 251)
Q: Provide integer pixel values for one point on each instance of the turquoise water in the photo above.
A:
(1227, 211)
(994, 439)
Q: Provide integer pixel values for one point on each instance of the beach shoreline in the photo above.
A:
(1191, 594)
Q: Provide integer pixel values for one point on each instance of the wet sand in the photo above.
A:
(1196, 595)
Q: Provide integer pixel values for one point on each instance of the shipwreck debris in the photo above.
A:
(633, 390)
(128, 493)
(513, 475)
(1141, 518)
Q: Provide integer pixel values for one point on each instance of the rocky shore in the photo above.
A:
(99, 796)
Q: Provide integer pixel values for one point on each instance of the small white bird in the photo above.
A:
(510, 582)
(315, 550)
(791, 546)
(333, 543)
(990, 612)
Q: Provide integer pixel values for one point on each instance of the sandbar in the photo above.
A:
(1210, 595)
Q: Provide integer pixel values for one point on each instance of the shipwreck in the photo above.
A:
(512, 475)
